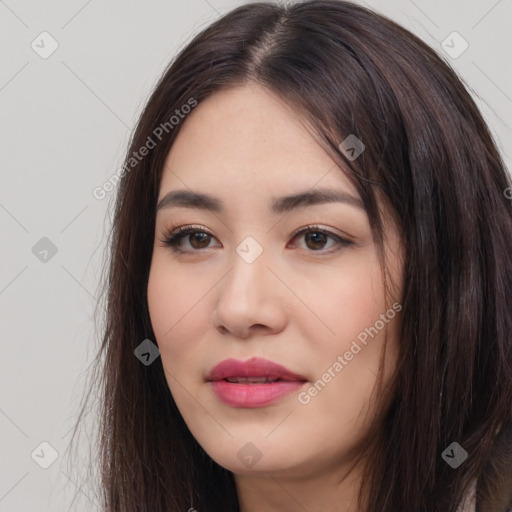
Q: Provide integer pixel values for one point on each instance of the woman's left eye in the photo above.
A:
(315, 239)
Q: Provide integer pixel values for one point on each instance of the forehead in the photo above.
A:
(246, 138)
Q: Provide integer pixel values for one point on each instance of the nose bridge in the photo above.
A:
(248, 277)
(248, 296)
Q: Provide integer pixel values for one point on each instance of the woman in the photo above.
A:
(312, 227)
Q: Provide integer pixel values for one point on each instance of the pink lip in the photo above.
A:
(252, 395)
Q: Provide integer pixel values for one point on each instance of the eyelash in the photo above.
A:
(174, 236)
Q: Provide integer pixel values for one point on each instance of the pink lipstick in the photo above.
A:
(253, 383)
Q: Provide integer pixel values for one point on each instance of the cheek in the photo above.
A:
(178, 307)
(350, 307)
(349, 300)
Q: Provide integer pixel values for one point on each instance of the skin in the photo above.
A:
(301, 303)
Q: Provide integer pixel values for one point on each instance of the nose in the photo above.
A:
(250, 300)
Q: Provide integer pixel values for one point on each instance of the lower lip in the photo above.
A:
(253, 395)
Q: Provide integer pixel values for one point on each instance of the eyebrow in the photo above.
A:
(189, 199)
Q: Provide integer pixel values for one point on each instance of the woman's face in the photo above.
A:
(246, 286)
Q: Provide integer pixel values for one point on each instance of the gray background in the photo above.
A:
(65, 124)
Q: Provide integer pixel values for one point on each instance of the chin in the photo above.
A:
(255, 458)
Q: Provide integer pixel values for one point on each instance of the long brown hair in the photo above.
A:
(429, 154)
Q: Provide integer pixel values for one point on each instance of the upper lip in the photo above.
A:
(254, 367)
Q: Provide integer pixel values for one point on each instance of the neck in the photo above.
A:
(328, 491)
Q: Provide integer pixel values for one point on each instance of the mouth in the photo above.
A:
(250, 380)
(253, 383)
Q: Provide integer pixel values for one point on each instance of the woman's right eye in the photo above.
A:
(197, 239)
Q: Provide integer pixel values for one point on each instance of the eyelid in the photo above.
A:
(186, 227)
